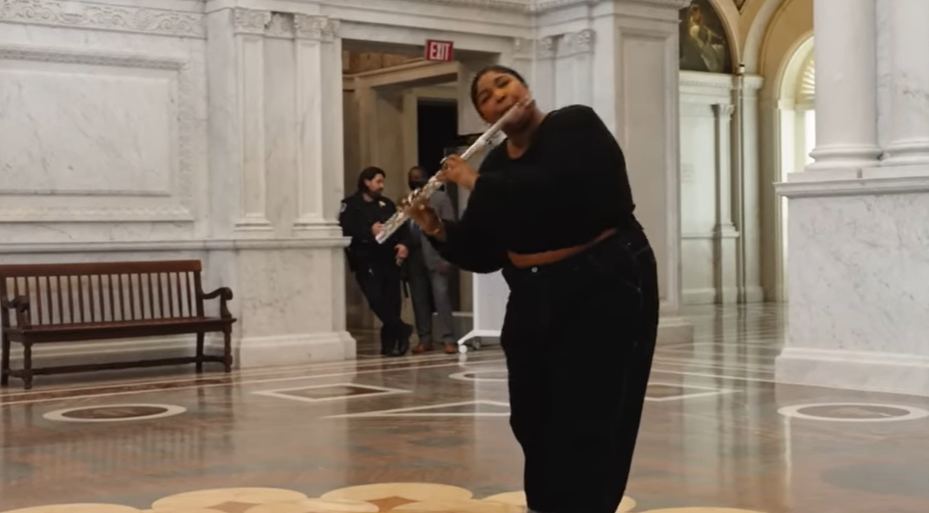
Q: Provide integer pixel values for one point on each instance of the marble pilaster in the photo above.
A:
(725, 233)
(909, 104)
(846, 104)
(249, 27)
(574, 68)
(635, 91)
(318, 64)
(747, 197)
(543, 85)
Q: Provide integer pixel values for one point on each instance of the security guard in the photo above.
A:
(377, 266)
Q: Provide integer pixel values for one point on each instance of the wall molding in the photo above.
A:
(141, 20)
(321, 241)
(166, 214)
(94, 58)
(541, 6)
(874, 181)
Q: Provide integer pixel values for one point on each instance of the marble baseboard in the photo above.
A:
(294, 349)
(674, 330)
(754, 294)
(875, 372)
(248, 353)
(708, 296)
(77, 353)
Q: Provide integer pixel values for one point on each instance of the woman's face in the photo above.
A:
(496, 93)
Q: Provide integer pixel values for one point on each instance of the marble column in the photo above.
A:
(635, 91)
(523, 58)
(543, 80)
(724, 233)
(747, 197)
(573, 67)
(909, 137)
(276, 179)
(318, 64)
(249, 30)
(582, 44)
(846, 85)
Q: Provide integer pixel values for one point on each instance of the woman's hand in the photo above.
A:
(455, 169)
(425, 216)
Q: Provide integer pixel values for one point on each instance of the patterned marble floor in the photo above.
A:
(430, 434)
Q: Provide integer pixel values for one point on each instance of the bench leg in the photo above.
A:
(4, 361)
(27, 365)
(200, 338)
(227, 350)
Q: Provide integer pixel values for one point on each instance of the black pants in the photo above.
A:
(579, 337)
(380, 283)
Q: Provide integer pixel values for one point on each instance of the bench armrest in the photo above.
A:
(19, 304)
(225, 295)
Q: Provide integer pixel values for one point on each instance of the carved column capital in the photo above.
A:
(318, 28)
(546, 47)
(581, 42)
(723, 110)
(523, 48)
(251, 21)
(280, 26)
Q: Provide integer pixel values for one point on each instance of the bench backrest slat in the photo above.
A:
(104, 292)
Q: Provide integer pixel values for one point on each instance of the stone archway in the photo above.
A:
(794, 138)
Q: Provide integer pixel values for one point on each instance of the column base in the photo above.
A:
(844, 157)
(907, 153)
(856, 297)
(294, 349)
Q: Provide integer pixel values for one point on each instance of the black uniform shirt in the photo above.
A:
(356, 219)
(568, 187)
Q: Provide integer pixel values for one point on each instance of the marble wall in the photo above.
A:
(154, 130)
(858, 250)
(719, 218)
(213, 129)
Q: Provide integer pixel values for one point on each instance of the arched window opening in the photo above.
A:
(805, 109)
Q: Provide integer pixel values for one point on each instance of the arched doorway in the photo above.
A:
(796, 136)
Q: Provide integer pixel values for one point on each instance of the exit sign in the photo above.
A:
(439, 50)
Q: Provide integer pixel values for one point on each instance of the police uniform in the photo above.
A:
(375, 266)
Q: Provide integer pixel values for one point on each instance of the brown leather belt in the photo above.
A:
(550, 257)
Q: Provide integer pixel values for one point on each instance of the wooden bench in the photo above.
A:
(45, 303)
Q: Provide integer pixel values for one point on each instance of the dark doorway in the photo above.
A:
(437, 122)
(437, 129)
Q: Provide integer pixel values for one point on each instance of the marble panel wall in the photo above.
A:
(213, 129)
(105, 122)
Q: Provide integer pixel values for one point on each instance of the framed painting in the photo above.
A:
(703, 40)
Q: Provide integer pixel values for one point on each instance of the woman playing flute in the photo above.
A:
(552, 207)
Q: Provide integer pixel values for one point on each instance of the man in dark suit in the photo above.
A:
(429, 275)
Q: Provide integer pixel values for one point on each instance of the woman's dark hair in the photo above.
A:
(367, 174)
(497, 68)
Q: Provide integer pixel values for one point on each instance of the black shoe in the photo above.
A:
(403, 345)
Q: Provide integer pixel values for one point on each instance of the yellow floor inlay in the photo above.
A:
(519, 499)
(373, 498)
(414, 492)
(222, 499)
(77, 508)
(709, 509)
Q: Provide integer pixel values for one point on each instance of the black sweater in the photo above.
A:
(569, 186)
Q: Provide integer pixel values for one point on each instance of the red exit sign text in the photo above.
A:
(439, 50)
